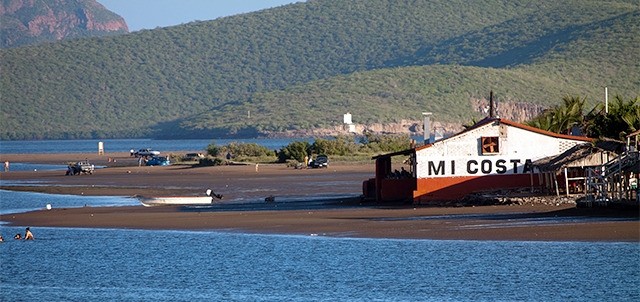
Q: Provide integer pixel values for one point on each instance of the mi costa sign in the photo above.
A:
(466, 167)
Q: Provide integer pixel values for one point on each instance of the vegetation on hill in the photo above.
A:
(302, 66)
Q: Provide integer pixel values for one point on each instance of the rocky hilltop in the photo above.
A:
(26, 22)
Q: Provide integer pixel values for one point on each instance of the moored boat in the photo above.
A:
(179, 200)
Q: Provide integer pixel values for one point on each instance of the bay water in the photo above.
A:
(76, 264)
(125, 145)
(137, 265)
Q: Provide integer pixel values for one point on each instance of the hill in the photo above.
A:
(302, 66)
(34, 22)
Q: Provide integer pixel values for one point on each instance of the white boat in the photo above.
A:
(179, 200)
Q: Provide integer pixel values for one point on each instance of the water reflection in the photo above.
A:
(16, 202)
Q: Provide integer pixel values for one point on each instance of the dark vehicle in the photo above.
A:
(158, 161)
(321, 161)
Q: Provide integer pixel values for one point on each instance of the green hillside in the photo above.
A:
(303, 65)
(388, 95)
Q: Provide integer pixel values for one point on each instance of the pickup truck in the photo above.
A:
(146, 152)
(81, 167)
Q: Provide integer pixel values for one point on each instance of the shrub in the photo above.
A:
(294, 150)
(385, 143)
(341, 145)
(210, 161)
(213, 149)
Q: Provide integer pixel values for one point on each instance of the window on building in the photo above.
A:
(490, 144)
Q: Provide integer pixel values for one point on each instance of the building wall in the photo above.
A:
(457, 166)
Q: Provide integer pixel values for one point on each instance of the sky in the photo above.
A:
(149, 14)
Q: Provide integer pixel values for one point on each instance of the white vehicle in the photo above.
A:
(193, 156)
(146, 152)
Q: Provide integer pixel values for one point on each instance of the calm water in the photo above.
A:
(124, 145)
(68, 264)
(135, 265)
(16, 202)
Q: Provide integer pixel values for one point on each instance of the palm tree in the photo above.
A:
(543, 121)
(622, 119)
(563, 118)
(629, 113)
(573, 112)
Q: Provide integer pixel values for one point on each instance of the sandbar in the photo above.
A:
(328, 204)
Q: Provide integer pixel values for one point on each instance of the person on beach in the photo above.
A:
(1, 239)
(17, 237)
(6, 166)
(28, 235)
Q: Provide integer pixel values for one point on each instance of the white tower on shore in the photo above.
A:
(348, 124)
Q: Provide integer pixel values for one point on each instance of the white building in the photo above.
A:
(493, 154)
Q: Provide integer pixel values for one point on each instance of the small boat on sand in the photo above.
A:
(179, 200)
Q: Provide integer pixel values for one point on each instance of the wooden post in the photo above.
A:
(566, 180)
(541, 181)
(531, 180)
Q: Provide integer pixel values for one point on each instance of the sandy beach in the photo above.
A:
(339, 212)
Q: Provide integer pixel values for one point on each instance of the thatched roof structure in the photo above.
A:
(582, 155)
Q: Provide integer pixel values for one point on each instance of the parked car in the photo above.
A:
(321, 161)
(158, 161)
(146, 152)
(192, 156)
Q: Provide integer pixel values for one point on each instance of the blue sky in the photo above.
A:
(149, 14)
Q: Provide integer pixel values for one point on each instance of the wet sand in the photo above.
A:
(343, 216)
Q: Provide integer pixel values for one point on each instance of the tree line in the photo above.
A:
(615, 120)
(297, 151)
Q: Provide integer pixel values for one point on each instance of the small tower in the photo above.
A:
(426, 117)
(348, 124)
